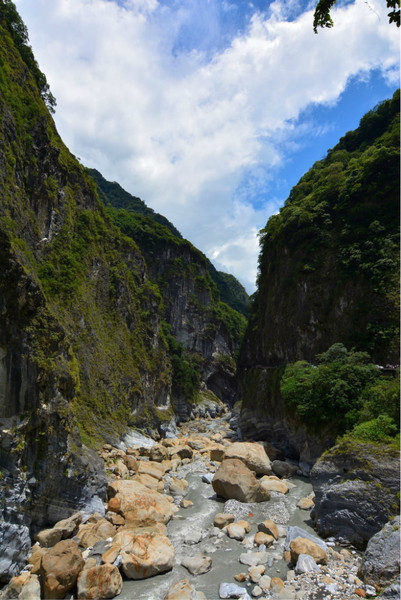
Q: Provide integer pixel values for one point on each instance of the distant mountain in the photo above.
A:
(113, 195)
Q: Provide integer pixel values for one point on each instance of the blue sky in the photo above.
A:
(210, 110)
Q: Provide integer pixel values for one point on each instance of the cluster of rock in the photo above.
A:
(90, 556)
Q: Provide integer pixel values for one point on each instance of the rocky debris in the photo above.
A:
(148, 555)
(393, 591)
(60, 567)
(381, 561)
(138, 504)
(15, 543)
(301, 545)
(233, 479)
(252, 454)
(198, 564)
(103, 581)
(356, 489)
(183, 590)
(24, 587)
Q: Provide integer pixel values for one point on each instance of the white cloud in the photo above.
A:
(182, 129)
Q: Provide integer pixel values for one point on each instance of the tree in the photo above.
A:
(322, 17)
(11, 19)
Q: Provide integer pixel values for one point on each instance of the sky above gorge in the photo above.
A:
(210, 110)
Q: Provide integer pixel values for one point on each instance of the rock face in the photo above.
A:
(234, 480)
(312, 288)
(381, 561)
(356, 490)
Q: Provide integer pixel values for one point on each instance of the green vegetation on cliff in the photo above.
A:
(80, 322)
(340, 230)
(345, 390)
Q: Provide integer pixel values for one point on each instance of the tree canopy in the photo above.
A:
(322, 17)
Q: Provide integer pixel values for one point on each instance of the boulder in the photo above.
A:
(30, 589)
(120, 469)
(282, 468)
(235, 531)
(381, 561)
(198, 564)
(268, 526)
(183, 590)
(233, 480)
(306, 503)
(305, 564)
(15, 544)
(273, 485)
(265, 582)
(149, 481)
(252, 559)
(103, 581)
(36, 558)
(91, 533)
(61, 530)
(255, 573)
(305, 546)
(294, 532)
(232, 590)
(253, 455)
(60, 568)
(149, 467)
(131, 463)
(356, 489)
(180, 451)
(138, 504)
(149, 555)
(158, 453)
(178, 487)
(217, 452)
(263, 538)
(223, 519)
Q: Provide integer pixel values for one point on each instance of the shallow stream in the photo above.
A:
(197, 521)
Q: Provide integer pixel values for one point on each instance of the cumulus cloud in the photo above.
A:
(197, 132)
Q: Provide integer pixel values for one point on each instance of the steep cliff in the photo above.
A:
(82, 352)
(328, 273)
(203, 331)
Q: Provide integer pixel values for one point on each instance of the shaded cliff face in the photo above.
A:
(82, 353)
(208, 330)
(328, 273)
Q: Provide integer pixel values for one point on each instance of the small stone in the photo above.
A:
(257, 591)
(277, 585)
(198, 564)
(193, 537)
(255, 573)
(306, 503)
(235, 531)
(253, 558)
(306, 564)
(290, 575)
(263, 538)
(207, 477)
(265, 582)
(223, 519)
(360, 592)
(231, 590)
(241, 577)
(268, 526)
(370, 590)
(186, 503)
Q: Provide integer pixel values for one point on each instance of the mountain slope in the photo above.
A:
(328, 273)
